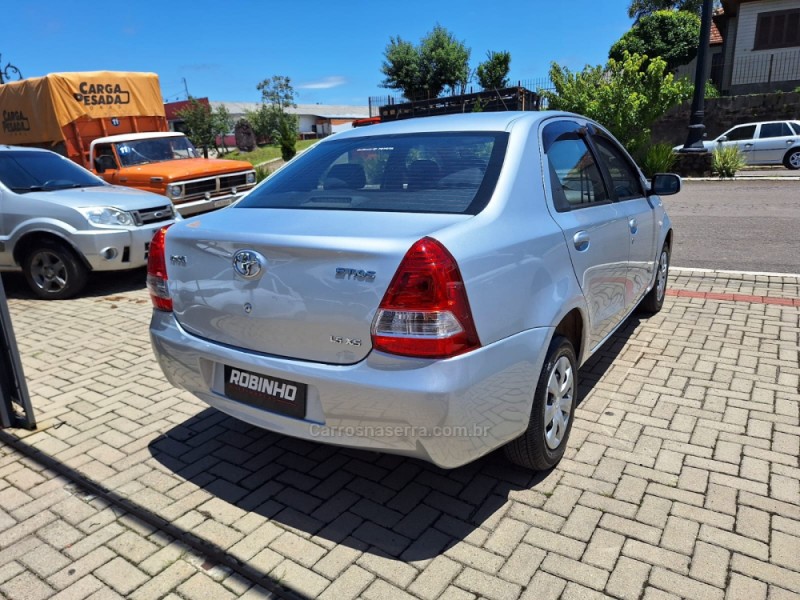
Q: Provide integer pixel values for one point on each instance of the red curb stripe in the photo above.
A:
(734, 297)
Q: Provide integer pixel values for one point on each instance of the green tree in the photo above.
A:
(641, 8)
(222, 123)
(626, 96)
(199, 122)
(440, 61)
(670, 34)
(493, 72)
(271, 120)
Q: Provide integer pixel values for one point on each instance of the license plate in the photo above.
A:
(274, 394)
(223, 202)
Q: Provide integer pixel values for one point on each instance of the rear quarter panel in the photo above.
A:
(512, 255)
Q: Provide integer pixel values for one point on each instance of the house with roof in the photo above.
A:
(754, 47)
(313, 120)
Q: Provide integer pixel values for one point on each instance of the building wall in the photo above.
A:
(762, 70)
(723, 113)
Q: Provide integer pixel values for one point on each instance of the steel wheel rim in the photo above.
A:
(661, 277)
(794, 160)
(558, 406)
(48, 271)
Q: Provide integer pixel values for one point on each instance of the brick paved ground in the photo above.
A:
(681, 479)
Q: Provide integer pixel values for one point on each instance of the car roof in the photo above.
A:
(489, 121)
(7, 148)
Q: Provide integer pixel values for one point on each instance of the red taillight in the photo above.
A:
(425, 311)
(157, 272)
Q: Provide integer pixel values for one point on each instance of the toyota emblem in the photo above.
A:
(249, 264)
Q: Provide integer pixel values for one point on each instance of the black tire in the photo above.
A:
(792, 160)
(542, 445)
(53, 271)
(654, 299)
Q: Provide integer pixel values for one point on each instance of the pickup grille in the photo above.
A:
(214, 186)
(153, 215)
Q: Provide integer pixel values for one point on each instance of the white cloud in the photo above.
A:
(324, 84)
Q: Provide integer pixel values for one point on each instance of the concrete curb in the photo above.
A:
(698, 272)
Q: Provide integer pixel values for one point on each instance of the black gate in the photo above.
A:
(15, 405)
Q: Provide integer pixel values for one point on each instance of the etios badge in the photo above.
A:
(249, 264)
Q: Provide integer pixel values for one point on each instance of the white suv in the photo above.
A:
(58, 222)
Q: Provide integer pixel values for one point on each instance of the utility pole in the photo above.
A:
(9, 68)
(697, 128)
(185, 87)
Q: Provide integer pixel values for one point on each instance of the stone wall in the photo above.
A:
(724, 113)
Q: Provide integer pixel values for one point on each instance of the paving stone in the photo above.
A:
(683, 586)
(394, 571)
(487, 586)
(544, 586)
(710, 564)
(654, 555)
(745, 588)
(573, 570)
(628, 579)
(436, 577)
(349, 585)
(201, 587)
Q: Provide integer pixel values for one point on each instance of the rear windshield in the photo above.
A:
(420, 172)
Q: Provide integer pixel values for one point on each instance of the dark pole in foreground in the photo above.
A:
(694, 141)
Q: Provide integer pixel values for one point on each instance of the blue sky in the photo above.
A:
(332, 51)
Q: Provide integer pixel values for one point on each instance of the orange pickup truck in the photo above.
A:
(114, 124)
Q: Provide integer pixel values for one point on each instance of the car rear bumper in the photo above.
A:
(448, 412)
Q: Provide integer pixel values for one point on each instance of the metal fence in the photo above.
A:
(537, 85)
(766, 68)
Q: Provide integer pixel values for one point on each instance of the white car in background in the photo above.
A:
(766, 143)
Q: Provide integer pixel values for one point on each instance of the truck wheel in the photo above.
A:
(544, 441)
(53, 271)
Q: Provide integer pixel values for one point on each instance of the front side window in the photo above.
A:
(773, 130)
(624, 177)
(746, 132)
(29, 171)
(575, 178)
(420, 172)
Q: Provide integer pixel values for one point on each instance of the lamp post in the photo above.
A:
(694, 140)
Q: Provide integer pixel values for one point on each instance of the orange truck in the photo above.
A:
(114, 124)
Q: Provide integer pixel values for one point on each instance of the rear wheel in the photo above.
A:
(792, 160)
(544, 441)
(53, 271)
(654, 300)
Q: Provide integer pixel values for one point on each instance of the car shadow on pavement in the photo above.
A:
(100, 284)
(373, 502)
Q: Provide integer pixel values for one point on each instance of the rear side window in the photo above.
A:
(795, 127)
(575, 179)
(420, 172)
(773, 130)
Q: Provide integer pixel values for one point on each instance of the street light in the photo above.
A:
(694, 140)
(9, 68)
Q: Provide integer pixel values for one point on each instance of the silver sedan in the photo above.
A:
(426, 287)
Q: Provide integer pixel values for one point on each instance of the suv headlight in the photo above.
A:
(108, 216)
(174, 191)
(251, 178)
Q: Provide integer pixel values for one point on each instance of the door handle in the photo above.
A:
(634, 226)
(747, 145)
(581, 241)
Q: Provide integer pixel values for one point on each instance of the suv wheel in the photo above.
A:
(792, 160)
(543, 443)
(53, 271)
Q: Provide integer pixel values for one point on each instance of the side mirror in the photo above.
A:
(104, 163)
(665, 184)
(722, 138)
